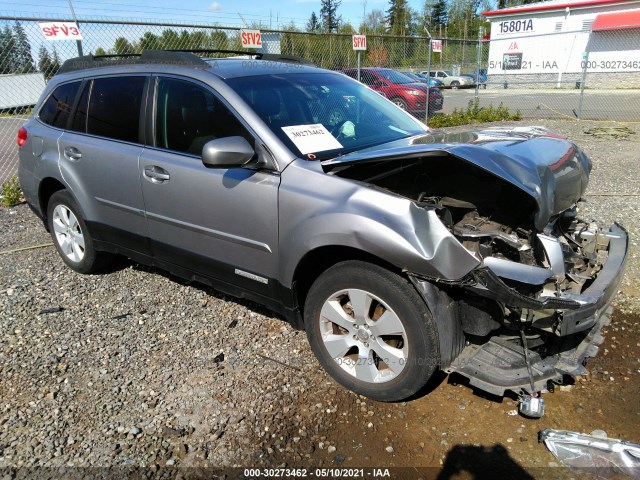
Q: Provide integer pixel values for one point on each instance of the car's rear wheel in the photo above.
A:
(455, 85)
(71, 236)
(400, 102)
(371, 331)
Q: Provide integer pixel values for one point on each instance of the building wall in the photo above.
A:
(20, 90)
(554, 45)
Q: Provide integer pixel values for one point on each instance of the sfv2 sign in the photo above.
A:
(359, 42)
(436, 46)
(251, 38)
(60, 31)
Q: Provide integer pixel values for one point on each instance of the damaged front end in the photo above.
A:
(532, 311)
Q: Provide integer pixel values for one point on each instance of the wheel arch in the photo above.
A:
(443, 308)
(48, 186)
(318, 260)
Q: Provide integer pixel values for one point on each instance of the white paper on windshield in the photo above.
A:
(311, 138)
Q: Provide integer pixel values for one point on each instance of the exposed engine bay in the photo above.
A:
(533, 282)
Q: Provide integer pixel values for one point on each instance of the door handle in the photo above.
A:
(72, 153)
(156, 174)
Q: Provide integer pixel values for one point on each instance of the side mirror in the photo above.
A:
(378, 83)
(227, 152)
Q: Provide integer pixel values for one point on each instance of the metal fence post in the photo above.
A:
(358, 65)
(478, 60)
(426, 118)
(585, 63)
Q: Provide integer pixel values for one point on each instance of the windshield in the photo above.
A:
(323, 115)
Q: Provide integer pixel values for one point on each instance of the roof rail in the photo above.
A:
(147, 56)
(167, 57)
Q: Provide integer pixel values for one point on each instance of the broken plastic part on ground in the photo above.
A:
(600, 456)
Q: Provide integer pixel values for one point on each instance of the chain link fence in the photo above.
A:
(582, 74)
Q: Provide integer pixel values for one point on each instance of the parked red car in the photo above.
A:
(400, 89)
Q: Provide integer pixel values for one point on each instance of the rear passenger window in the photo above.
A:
(57, 108)
(114, 108)
(188, 116)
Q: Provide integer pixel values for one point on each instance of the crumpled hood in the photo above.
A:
(543, 164)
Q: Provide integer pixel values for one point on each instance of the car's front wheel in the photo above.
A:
(371, 331)
(455, 85)
(71, 236)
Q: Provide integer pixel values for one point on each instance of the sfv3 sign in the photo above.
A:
(60, 30)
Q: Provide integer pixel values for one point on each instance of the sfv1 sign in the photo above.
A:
(251, 38)
(359, 42)
(60, 31)
(436, 46)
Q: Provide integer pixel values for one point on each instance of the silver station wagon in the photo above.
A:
(399, 250)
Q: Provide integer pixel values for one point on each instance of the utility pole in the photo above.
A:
(78, 42)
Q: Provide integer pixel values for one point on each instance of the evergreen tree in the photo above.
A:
(55, 62)
(439, 13)
(7, 51)
(22, 56)
(399, 18)
(313, 25)
(329, 14)
(44, 62)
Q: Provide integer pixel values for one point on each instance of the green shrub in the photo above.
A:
(11, 192)
(473, 114)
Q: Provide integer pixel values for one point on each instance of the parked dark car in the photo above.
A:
(404, 91)
(419, 77)
(480, 77)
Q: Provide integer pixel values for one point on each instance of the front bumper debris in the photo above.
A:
(499, 365)
(579, 312)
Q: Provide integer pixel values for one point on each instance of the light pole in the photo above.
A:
(78, 42)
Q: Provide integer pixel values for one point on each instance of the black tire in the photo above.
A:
(455, 85)
(81, 259)
(395, 294)
(400, 102)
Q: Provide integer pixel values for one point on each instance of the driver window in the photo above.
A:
(188, 116)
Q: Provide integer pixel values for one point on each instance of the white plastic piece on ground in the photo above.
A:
(604, 458)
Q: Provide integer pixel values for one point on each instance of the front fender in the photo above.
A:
(319, 209)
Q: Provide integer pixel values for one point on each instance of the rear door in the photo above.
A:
(99, 156)
(219, 223)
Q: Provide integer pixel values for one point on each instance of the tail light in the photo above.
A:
(22, 136)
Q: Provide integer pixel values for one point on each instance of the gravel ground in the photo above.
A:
(133, 367)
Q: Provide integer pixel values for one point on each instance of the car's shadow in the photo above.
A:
(120, 263)
(479, 463)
